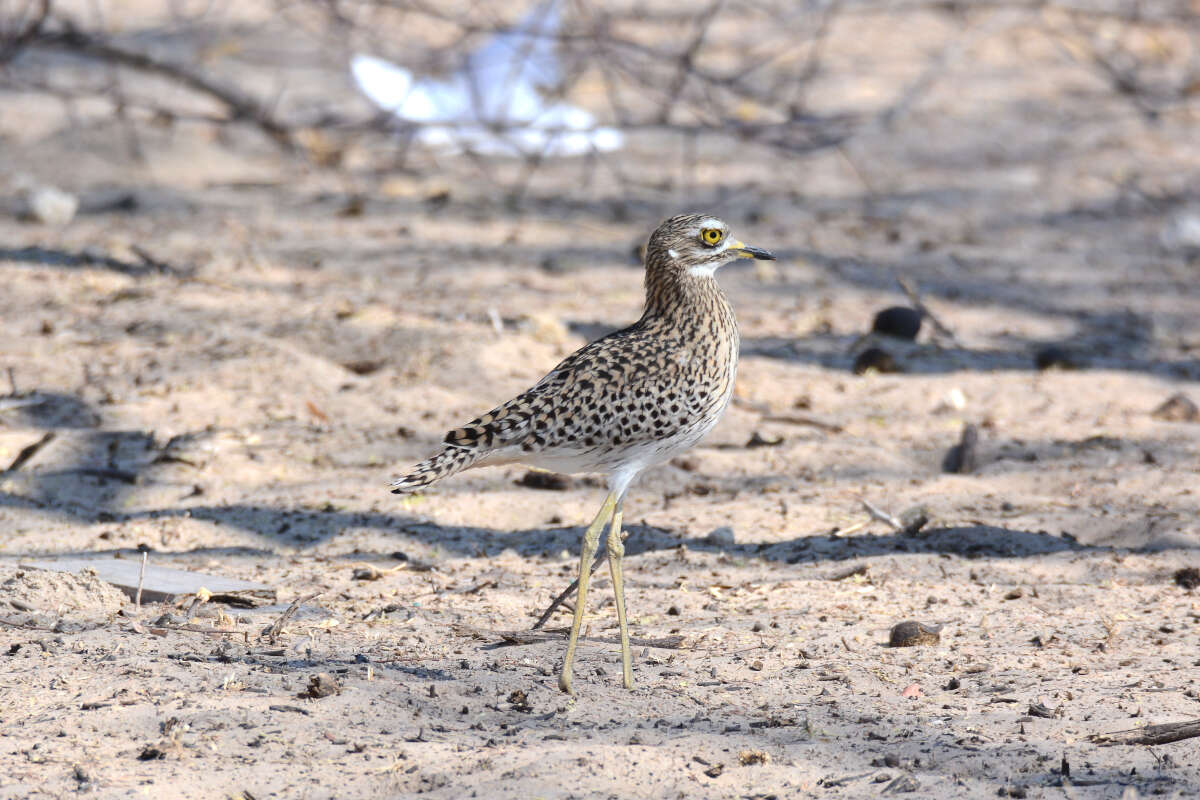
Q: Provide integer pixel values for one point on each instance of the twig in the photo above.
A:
(86, 258)
(272, 632)
(12, 382)
(201, 629)
(1151, 734)
(111, 473)
(567, 592)
(154, 263)
(239, 105)
(804, 419)
(882, 516)
(919, 305)
(29, 451)
(10, 49)
(860, 569)
(141, 578)
(537, 637)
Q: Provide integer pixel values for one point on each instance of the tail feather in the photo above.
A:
(444, 464)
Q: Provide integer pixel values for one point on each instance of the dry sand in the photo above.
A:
(245, 419)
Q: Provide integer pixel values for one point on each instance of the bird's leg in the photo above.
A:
(616, 550)
(591, 539)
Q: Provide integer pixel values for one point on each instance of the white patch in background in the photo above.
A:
(494, 105)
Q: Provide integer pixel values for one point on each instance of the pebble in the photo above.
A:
(722, 536)
(875, 359)
(1177, 408)
(898, 321)
(50, 206)
(1181, 234)
(911, 633)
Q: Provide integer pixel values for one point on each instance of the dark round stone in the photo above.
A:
(1054, 357)
(875, 359)
(898, 321)
(912, 633)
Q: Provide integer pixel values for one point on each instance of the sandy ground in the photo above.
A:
(244, 419)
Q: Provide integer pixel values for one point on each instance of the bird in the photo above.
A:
(635, 398)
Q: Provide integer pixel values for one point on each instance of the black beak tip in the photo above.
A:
(760, 254)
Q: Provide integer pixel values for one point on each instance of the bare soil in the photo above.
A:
(244, 415)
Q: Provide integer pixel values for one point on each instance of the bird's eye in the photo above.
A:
(711, 236)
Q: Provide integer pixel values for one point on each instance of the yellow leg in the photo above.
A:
(591, 539)
(616, 550)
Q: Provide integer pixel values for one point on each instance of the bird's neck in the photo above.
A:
(683, 300)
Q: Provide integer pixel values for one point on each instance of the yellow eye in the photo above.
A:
(711, 236)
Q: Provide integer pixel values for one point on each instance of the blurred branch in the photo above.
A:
(239, 105)
(739, 71)
(24, 31)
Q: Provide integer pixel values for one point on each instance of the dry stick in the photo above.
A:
(192, 628)
(882, 516)
(10, 49)
(570, 590)
(276, 628)
(29, 451)
(240, 106)
(12, 382)
(860, 569)
(141, 577)
(537, 637)
(154, 263)
(804, 419)
(919, 305)
(1151, 734)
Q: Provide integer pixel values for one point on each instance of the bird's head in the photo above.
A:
(696, 244)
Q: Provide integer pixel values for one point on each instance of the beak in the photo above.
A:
(744, 251)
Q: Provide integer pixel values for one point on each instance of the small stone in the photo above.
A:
(1040, 710)
(902, 784)
(749, 757)
(1177, 408)
(897, 321)
(1181, 234)
(913, 519)
(911, 633)
(1187, 578)
(1054, 357)
(320, 685)
(520, 701)
(715, 770)
(50, 206)
(758, 440)
(875, 359)
(540, 479)
(721, 537)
